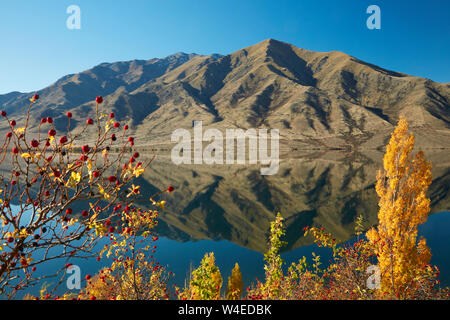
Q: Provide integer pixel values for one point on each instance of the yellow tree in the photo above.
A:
(235, 285)
(402, 187)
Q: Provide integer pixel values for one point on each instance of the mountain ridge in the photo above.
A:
(316, 99)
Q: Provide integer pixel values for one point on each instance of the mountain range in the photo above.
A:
(318, 100)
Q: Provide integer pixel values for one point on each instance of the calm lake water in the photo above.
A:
(228, 209)
(180, 257)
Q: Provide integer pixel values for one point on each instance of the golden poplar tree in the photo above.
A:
(235, 285)
(402, 187)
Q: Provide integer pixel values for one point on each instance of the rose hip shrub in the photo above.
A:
(133, 274)
(48, 173)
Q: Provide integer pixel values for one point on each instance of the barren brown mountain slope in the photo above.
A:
(316, 99)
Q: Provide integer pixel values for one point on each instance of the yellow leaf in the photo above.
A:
(18, 131)
(102, 191)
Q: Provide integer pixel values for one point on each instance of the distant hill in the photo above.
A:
(317, 100)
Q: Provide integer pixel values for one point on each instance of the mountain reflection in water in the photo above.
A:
(236, 203)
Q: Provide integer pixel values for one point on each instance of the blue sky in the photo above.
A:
(37, 48)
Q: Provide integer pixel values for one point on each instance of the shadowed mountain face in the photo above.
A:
(316, 99)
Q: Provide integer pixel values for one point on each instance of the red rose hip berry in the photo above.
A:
(34, 143)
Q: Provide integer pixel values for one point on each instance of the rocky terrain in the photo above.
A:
(318, 100)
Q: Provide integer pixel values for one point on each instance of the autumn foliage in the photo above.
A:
(133, 275)
(206, 281)
(235, 286)
(402, 187)
(49, 175)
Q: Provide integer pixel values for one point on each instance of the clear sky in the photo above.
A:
(37, 48)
